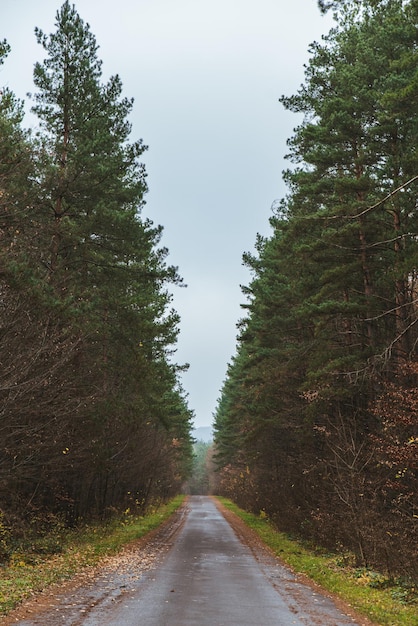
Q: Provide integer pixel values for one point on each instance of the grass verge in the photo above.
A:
(31, 572)
(385, 601)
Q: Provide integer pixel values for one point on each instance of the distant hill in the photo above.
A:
(203, 433)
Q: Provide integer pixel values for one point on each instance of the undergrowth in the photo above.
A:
(61, 553)
(386, 601)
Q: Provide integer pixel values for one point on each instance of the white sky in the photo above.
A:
(206, 76)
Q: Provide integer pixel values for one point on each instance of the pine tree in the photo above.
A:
(30, 349)
(332, 312)
(110, 404)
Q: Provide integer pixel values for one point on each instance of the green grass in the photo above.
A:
(31, 571)
(386, 602)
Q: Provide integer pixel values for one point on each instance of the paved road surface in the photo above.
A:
(208, 577)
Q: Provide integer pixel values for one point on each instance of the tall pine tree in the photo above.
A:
(112, 406)
(332, 311)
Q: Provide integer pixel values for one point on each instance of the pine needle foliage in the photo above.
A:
(307, 420)
(93, 413)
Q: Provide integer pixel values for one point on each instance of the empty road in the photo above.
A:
(198, 574)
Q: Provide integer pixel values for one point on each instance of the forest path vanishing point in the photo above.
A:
(203, 568)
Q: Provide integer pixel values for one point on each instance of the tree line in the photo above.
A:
(93, 417)
(317, 419)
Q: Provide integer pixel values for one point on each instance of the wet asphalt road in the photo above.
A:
(208, 577)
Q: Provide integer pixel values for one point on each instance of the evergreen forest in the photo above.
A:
(93, 416)
(316, 425)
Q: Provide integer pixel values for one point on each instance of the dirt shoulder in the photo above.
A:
(92, 585)
(263, 553)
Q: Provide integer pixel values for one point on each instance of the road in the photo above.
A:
(199, 573)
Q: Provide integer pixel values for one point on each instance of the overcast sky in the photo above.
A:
(206, 76)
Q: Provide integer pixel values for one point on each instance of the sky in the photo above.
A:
(206, 77)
